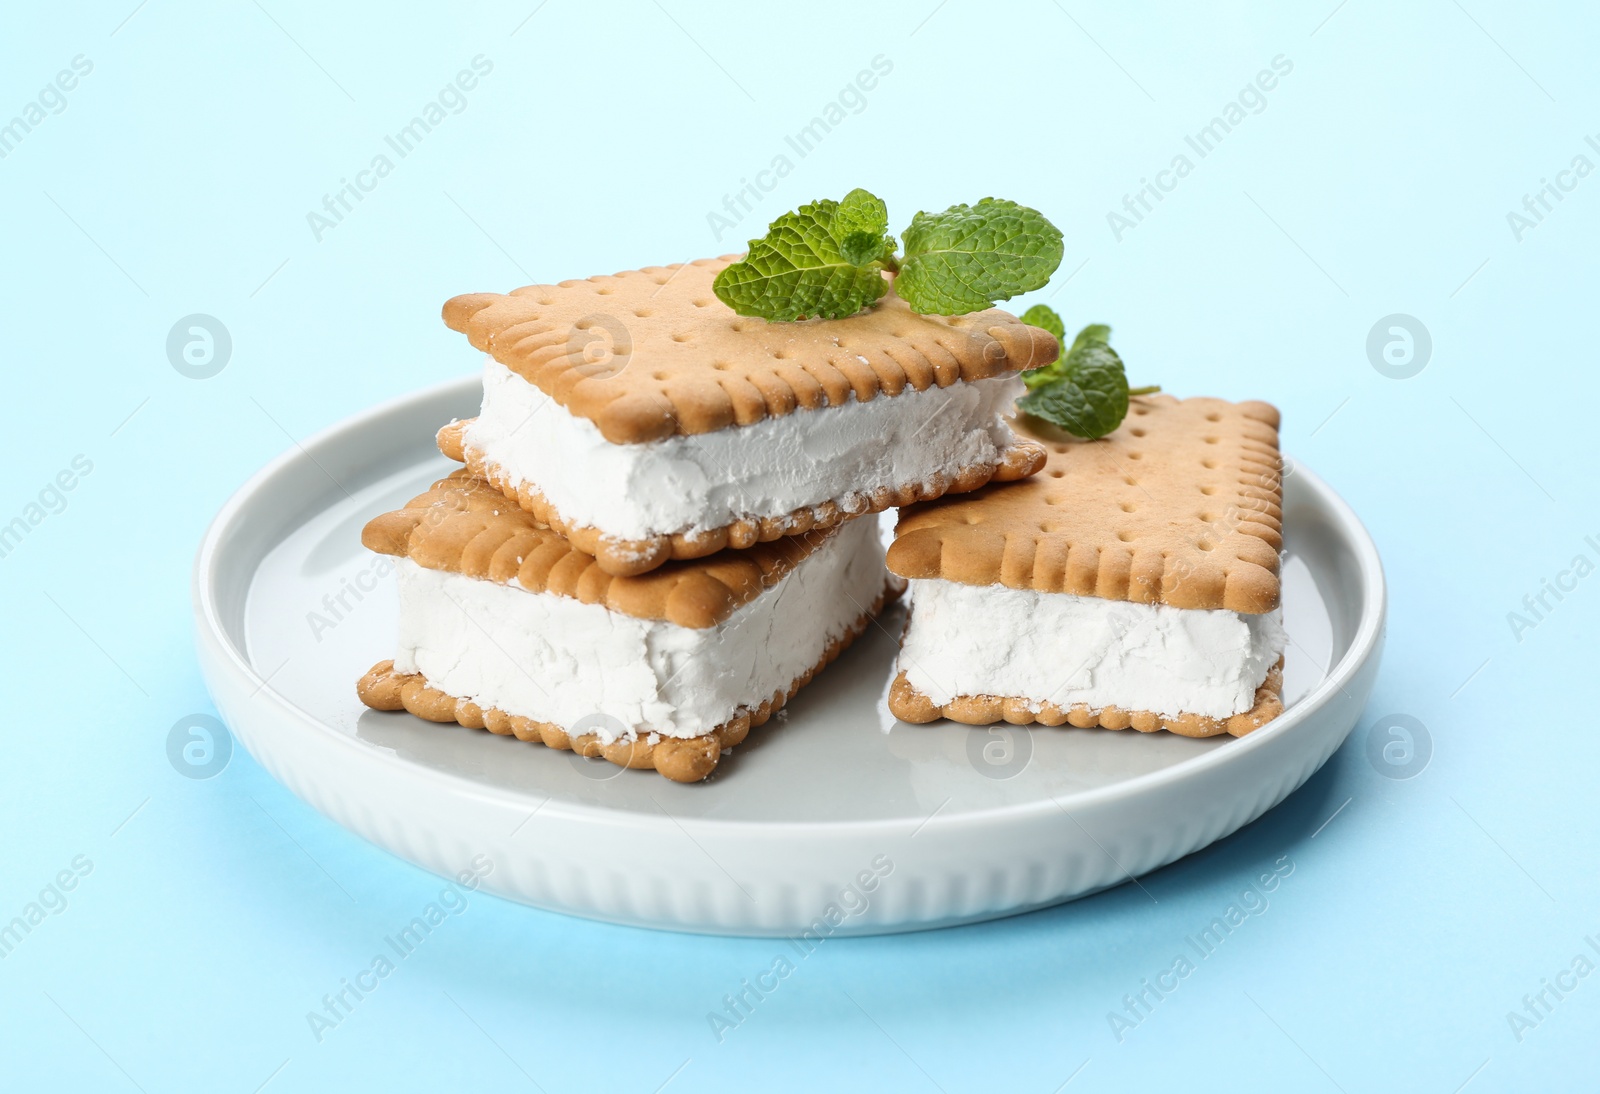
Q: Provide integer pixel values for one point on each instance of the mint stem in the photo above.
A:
(1150, 390)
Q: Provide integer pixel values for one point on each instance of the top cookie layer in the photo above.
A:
(467, 527)
(1182, 505)
(644, 354)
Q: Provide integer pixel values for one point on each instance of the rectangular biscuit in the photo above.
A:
(1181, 505)
(647, 421)
(504, 626)
(645, 354)
(910, 705)
(465, 526)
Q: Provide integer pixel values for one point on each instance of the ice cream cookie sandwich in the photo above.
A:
(645, 421)
(505, 626)
(1134, 582)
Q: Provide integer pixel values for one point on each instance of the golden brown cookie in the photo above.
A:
(910, 705)
(468, 527)
(1181, 505)
(676, 359)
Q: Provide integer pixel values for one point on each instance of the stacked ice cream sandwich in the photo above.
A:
(654, 541)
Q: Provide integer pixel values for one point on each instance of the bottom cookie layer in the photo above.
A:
(910, 705)
(681, 759)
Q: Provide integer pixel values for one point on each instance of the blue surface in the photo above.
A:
(1377, 179)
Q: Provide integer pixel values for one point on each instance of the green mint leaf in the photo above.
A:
(1036, 378)
(1044, 317)
(861, 211)
(862, 228)
(1094, 332)
(1090, 396)
(860, 248)
(798, 270)
(968, 257)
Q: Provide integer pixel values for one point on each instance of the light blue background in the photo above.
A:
(1377, 180)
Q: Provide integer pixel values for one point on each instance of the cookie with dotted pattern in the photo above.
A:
(465, 526)
(682, 362)
(1181, 505)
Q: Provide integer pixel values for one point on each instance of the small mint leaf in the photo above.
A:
(1092, 335)
(1094, 332)
(862, 227)
(861, 211)
(1090, 396)
(860, 248)
(799, 271)
(968, 257)
(1044, 317)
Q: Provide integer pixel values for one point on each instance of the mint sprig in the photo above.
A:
(827, 259)
(862, 224)
(968, 257)
(1085, 390)
(799, 270)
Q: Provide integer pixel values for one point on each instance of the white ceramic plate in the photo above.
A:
(833, 817)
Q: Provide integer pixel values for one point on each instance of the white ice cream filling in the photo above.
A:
(770, 468)
(589, 669)
(1066, 650)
